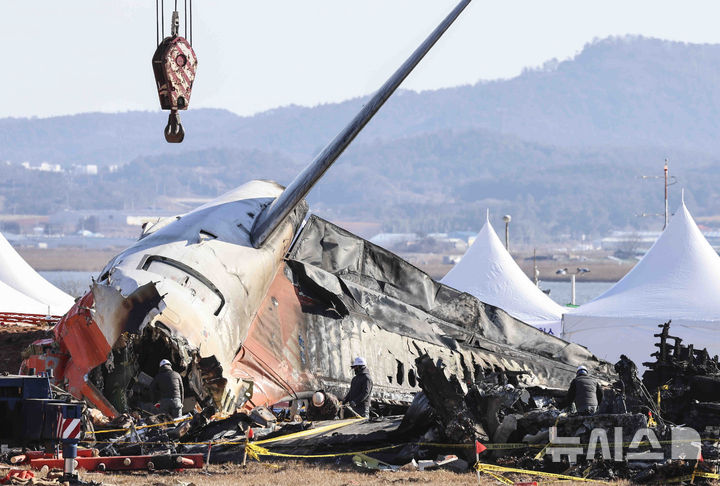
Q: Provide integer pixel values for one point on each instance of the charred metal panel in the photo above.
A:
(339, 297)
(273, 356)
(116, 314)
(85, 342)
(395, 311)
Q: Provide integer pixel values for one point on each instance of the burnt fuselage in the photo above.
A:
(264, 325)
(220, 293)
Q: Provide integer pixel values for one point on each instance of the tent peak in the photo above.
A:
(489, 272)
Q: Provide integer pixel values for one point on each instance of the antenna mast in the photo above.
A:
(666, 194)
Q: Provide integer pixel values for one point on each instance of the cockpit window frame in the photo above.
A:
(147, 261)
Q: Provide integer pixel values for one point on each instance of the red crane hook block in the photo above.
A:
(174, 64)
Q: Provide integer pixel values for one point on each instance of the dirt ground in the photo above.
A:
(95, 260)
(299, 473)
(14, 338)
(600, 270)
(74, 259)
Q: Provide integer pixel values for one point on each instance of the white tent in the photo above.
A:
(17, 274)
(14, 302)
(489, 272)
(678, 279)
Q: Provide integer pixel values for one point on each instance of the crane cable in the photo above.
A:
(160, 20)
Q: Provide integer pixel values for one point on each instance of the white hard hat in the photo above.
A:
(164, 362)
(359, 361)
(318, 399)
(582, 369)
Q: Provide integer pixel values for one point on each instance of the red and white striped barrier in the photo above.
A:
(69, 428)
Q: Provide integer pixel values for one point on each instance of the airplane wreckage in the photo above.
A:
(254, 303)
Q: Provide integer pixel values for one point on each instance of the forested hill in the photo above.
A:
(432, 182)
(617, 92)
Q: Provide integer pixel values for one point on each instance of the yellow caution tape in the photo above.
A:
(539, 455)
(490, 468)
(700, 474)
(319, 430)
(440, 444)
(687, 477)
(124, 442)
(139, 427)
(493, 468)
(499, 446)
(254, 451)
(294, 435)
(501, 479)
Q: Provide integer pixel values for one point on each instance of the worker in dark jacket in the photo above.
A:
(584, 392)
(358, 398)
(167, 389)
(323, 406)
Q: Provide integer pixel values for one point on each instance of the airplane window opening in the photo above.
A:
(400, 373)
(411, 377)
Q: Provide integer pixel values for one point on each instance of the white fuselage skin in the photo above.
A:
(212, 241)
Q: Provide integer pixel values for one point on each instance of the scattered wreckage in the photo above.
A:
(254, 304)
(663, 427)
(650, 430)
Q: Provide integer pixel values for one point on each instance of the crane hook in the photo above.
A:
(174, 131)
(174, 66)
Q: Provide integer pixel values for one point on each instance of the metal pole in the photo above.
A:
(666, 194)
(507, 236)
(69, 455)
(507, 218)
(572, 289)
(274, 214)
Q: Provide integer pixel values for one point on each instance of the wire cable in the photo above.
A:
(157, 27)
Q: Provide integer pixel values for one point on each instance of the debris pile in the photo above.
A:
(483, 410)
(633, 436)
(688, 383)
(515, 429)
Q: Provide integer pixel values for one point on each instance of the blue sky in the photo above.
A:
(94, 55)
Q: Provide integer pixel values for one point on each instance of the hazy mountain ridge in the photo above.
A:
(561, 147)
(629, 91)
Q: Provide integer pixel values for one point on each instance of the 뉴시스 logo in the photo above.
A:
(685, 443)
